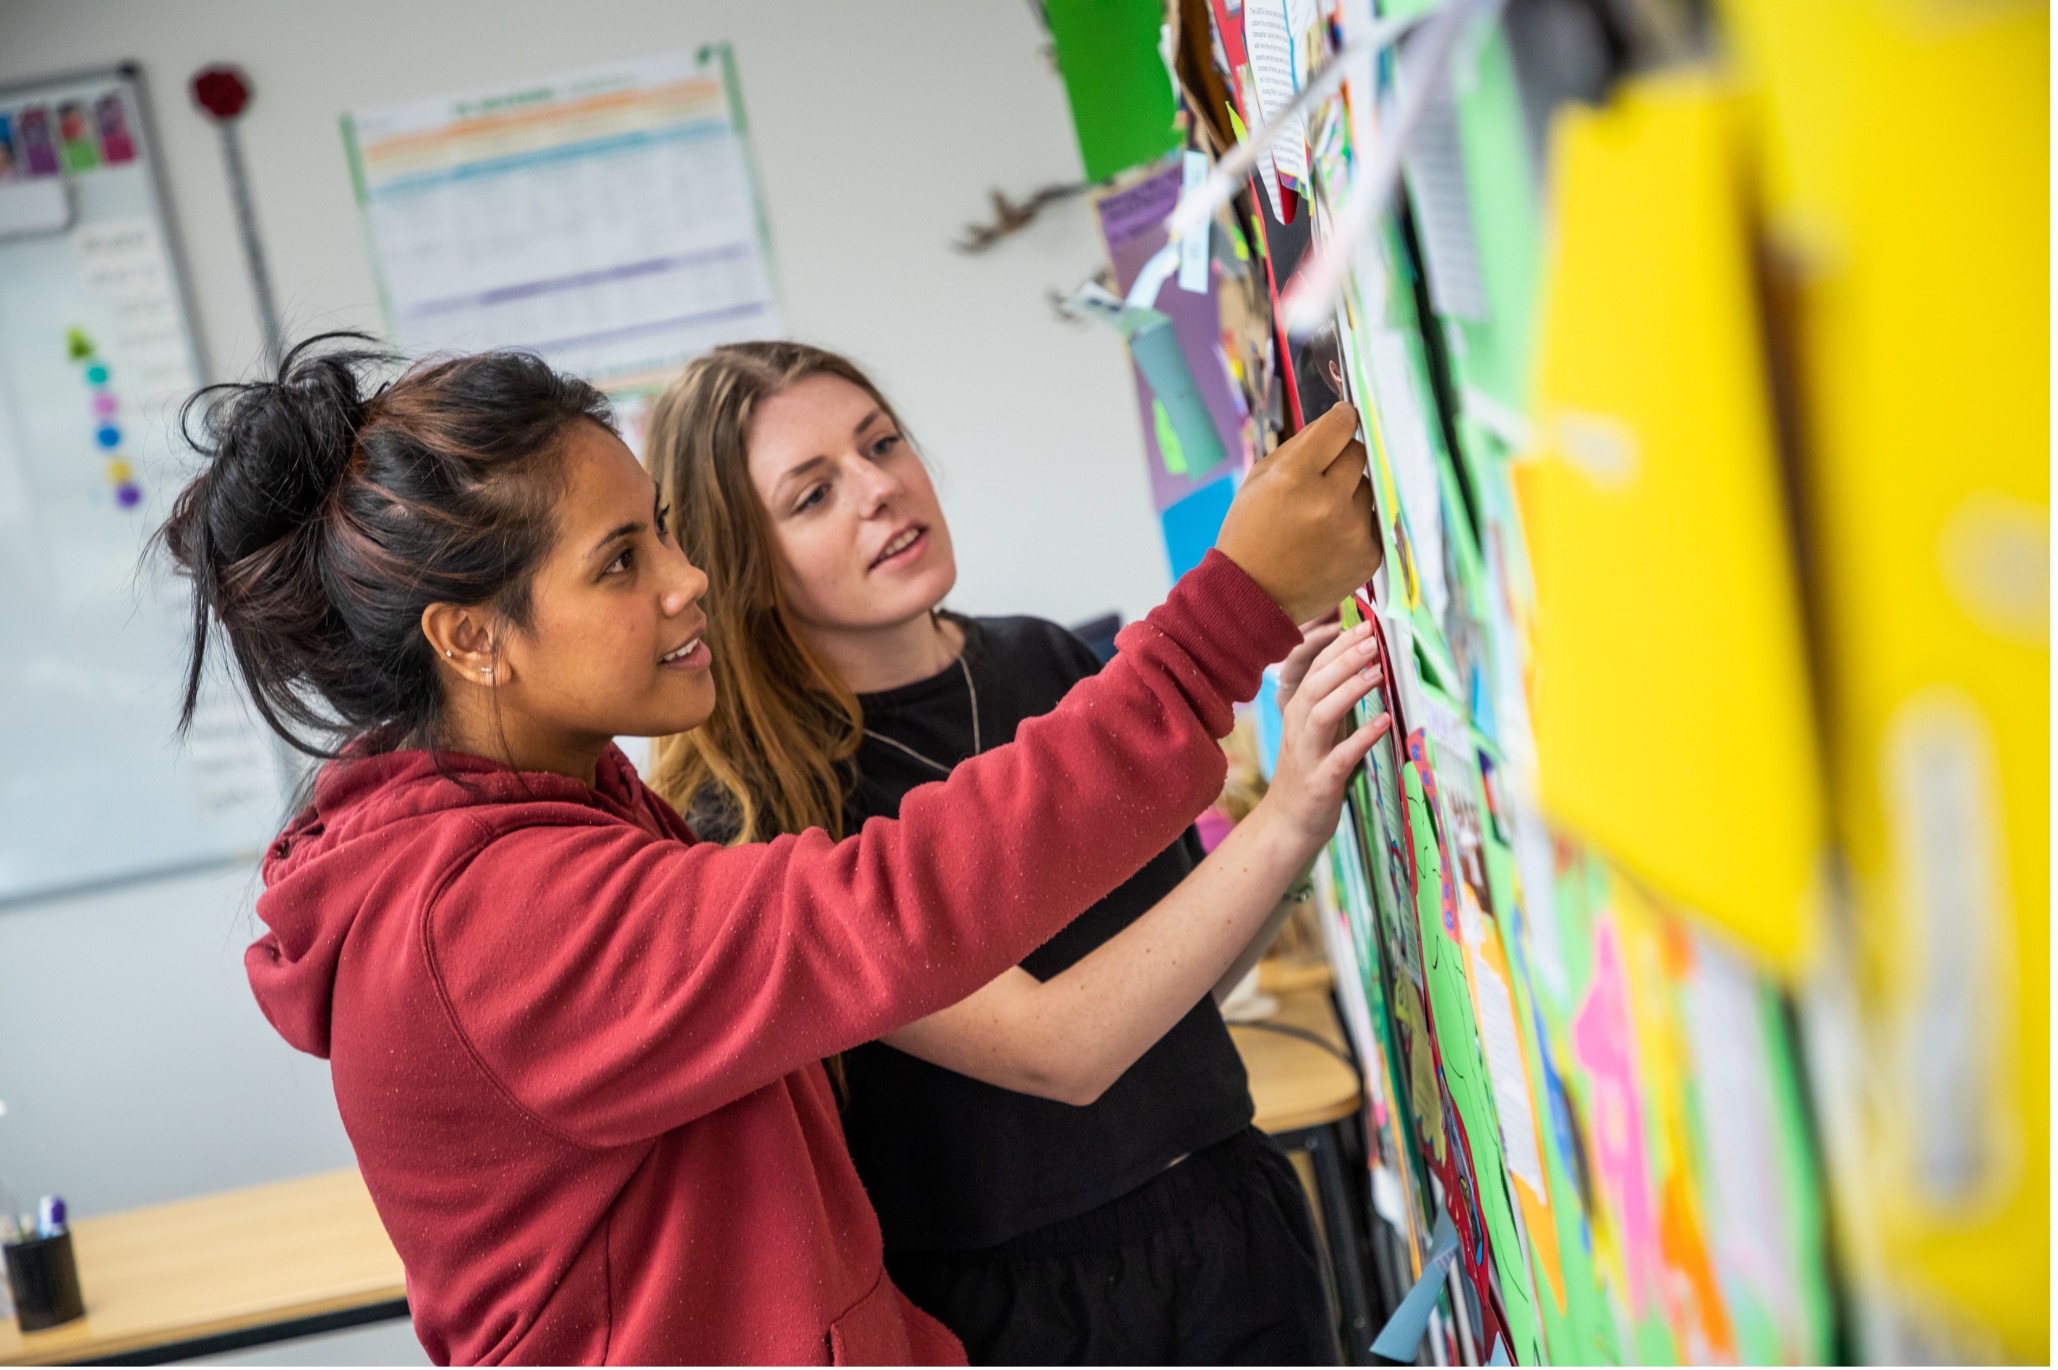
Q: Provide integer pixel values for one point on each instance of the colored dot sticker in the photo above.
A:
(119, 471)
(96, 374)
(127, 495)
(103, 405)
(108, 436)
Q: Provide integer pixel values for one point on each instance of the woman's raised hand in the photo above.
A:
(1315, 635)
(1318, 753)
(1301, 525)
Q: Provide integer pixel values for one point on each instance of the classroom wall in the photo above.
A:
(135, 1064)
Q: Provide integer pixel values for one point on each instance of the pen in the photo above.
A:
(50, 1216)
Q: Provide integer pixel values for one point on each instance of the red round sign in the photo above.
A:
(222, 91)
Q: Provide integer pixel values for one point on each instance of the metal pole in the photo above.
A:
(253, 246)
(223, 92)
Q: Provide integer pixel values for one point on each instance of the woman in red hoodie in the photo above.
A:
(576, 1051)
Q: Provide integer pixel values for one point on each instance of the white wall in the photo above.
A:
(878, 129)
(135, 1063)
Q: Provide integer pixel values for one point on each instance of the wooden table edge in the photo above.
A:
(73, 1345)
(376, 1289)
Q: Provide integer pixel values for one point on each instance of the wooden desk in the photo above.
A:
(1294, 1083)
(209, 1274)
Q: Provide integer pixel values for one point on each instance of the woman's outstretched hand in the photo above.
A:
(1070, 1037)
(1318, 751)
(1315, 635)
(1301, 524)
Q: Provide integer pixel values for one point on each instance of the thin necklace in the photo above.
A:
(972, 692)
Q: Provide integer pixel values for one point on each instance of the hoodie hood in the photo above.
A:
(375, 817)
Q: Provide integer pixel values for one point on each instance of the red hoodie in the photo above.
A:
(578, 1053)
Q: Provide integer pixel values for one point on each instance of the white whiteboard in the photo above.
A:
(96, 355)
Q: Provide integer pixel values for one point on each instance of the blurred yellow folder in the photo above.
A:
(1673, 720)
(1905, 150)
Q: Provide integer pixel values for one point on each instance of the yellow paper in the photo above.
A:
(1905, 156)
(1671, 701)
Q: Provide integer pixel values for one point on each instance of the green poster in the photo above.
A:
(1807, 1237)
(1492, 353)
(1581, 1331)
(1121, 94)
(1464, 1066)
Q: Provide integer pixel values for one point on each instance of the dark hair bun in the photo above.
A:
(279, 449)
(330, 515)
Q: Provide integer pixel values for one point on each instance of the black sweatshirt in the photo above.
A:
(955, 1164)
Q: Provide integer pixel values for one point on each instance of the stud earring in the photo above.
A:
(448, 652)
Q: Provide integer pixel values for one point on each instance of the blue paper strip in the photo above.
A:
(1399, 1340)
(1155, 346)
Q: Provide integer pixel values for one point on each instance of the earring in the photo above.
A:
(447, 652)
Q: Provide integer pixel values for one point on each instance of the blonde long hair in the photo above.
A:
(772, 758)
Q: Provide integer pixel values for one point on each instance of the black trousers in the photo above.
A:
(1212, 1262)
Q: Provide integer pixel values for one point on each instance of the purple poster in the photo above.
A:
(37, 149)
(1132, 223)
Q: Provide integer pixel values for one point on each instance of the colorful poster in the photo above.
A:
(38, 150)
(1594, 1105)
(608, 219)
(75, 132)
(1132, 224)
(117, 146)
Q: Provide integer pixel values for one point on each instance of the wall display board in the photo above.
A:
(1586, 1134)
(96, 355)
(607, 219)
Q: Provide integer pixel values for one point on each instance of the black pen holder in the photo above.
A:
(44, 1280)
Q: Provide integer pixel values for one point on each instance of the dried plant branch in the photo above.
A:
(1011, 217)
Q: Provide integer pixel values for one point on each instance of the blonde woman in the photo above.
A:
(1063, 1163)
